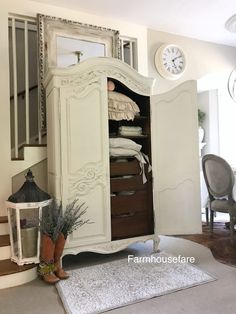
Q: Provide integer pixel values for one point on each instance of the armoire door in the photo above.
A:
(85, 157)
(175, 160)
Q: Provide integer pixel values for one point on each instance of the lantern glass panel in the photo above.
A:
(29, 224)
(14, 231)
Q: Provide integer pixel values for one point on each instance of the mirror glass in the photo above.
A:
(65, 42)
(72, 51)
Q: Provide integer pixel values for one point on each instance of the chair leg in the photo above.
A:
(232, 228)
(211, 219)
(207, 215)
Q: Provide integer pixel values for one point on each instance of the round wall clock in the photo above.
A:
(170, 61)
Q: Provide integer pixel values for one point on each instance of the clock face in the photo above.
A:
(170, 61)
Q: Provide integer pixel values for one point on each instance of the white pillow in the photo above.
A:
(124, 143)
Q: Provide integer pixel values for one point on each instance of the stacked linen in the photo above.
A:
(130, 130)
(119, 147)
(121, 107)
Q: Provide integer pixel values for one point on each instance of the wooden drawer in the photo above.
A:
(130, 226)
(129, 204)
(124, 168)
(133, 183)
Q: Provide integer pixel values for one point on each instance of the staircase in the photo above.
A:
(28, 142)
(11, 274)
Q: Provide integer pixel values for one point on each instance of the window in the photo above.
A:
(129, 51)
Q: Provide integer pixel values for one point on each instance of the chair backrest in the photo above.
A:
(218, 175)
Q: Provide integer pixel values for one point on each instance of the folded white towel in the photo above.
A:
(130, 128)
(125, 133)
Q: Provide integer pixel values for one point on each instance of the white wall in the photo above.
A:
(40, 177)
(204, 59)
(208, 103)
(5, 183)
(227, 128)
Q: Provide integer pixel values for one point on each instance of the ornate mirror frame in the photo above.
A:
(50, 28)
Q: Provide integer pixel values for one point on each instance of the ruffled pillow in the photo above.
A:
(121, 107)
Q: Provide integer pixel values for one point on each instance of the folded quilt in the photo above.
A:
(120, 142)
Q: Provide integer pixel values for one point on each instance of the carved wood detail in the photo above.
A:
(114, 246)
(86, 179)
(92, 75)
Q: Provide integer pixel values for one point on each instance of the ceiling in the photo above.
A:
(201, 19)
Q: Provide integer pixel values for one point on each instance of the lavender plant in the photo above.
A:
(55, 221)
(49, 223)
(72, 219)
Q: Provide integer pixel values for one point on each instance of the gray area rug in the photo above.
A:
(103, 287)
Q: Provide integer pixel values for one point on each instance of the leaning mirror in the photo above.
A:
(64, 42)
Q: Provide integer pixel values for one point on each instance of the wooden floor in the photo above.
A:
(219, 242)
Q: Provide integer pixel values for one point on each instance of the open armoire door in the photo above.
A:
(176, 160)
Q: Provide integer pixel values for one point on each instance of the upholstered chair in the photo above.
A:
(219, 179)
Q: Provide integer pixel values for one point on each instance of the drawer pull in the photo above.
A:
(125, 215)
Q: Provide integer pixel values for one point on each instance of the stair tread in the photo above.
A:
(15, 159)
(3, 219)
(4, 240)
(20, 157)
(8, 267)
(35, 145)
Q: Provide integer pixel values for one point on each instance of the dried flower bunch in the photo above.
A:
(55, 221)
(71, 218)
(49, 223)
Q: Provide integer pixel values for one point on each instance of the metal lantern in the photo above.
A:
(24, 210)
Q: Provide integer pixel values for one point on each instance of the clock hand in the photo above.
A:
(176, 58)
(175, 66)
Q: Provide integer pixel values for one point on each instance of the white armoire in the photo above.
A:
(123, 208)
